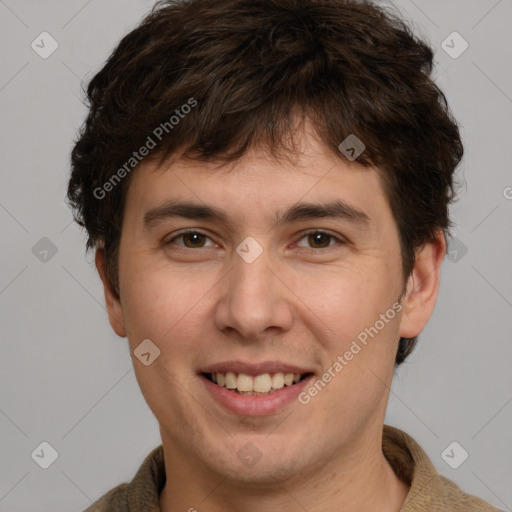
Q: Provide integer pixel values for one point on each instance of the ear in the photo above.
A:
(422, 287)
(112, 302)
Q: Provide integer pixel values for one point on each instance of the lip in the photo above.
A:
(254, 405)
(254, 369)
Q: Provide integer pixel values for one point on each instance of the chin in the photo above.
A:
(267, 473)
(264, 467)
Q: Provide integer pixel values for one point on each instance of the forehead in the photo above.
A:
(257, 190)
(258, 183)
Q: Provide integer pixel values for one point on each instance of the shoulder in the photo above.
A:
(115, 499)
(142, 493)
(429, 491)
(448, 496)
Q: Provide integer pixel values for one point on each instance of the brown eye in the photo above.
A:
(190, 240)
(193, 239)
(316, 239)
(319, 240)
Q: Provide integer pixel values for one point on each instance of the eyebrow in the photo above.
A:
(337, 209)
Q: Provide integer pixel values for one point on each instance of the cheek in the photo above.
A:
(168, 308)
(342, 304)
(159, 303)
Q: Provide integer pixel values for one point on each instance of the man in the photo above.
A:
(266, 185)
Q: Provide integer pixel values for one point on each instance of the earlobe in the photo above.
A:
(112, 301)
(422, 287)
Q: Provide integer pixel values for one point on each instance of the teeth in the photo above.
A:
(278, 380)
(230, 380)
(261, 384)
(244, 382)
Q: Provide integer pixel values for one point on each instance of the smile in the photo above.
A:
(262, 384)
(255, 389)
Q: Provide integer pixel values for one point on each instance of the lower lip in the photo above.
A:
(255, 405)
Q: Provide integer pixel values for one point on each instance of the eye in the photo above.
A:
(318, 239)
(191, 239)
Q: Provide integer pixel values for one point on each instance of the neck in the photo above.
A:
(362, 481)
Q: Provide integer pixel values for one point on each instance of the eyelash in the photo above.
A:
(302, 235)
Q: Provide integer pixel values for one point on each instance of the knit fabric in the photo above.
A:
(429, 491)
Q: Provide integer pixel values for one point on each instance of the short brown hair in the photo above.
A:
(251, 66)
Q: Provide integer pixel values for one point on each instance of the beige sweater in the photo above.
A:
(429, 492)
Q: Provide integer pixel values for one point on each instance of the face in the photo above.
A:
(247, 273)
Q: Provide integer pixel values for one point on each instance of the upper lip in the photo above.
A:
(254, 369)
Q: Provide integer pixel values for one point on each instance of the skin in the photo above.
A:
(297, 303)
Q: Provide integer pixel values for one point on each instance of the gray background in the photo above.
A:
(67, 378)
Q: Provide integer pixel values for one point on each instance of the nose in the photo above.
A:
(254, 301)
